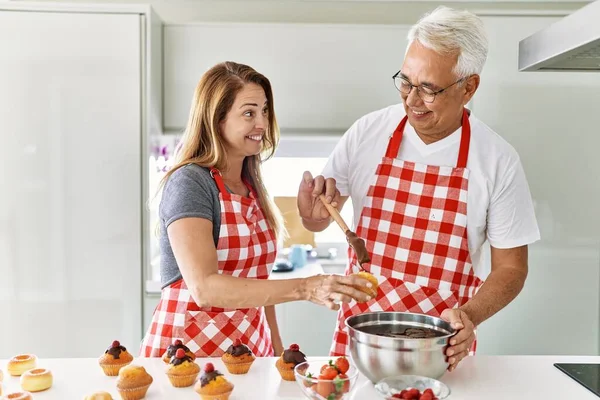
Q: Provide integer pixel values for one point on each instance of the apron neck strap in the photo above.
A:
(465, 140)
(216, 175)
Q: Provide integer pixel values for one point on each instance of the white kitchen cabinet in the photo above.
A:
(77, 102)
(552, 119)
(324, 76)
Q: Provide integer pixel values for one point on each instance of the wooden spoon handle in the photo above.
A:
(334, 213)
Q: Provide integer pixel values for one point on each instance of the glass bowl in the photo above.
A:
(389, 386)
(307, 377)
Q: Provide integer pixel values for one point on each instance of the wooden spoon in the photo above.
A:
(354, 241)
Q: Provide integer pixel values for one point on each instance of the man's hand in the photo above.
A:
(461, 343)
(310, 207)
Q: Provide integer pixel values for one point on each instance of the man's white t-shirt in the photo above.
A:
(499, 204)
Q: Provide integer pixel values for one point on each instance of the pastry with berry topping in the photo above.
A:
(115, 358)
(212, 385)
(133, 382)
(182, 371)
(172, 349)
(238, 358)
(288, 361)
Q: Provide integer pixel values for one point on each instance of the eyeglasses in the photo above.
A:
(426, 94)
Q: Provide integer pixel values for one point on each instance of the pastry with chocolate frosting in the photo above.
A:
(213, 385)
(172, 349)
(182, 371)
(238, 358)
(115, 358)
(290, 358)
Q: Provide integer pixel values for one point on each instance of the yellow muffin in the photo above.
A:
(212, 385)
(133, 382)
(372, 291)
(114, 358)
(182, 370)
(288, 361)
(238, 358)
(99, 396)
(172, 349)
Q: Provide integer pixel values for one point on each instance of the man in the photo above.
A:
(430, 183)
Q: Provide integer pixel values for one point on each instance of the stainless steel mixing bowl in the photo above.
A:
(379, 357)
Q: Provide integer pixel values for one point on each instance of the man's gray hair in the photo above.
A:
(448, 32)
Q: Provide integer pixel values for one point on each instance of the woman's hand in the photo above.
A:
(330, 290)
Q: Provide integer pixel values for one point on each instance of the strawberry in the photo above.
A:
(342, 364)
(328, 373)
(324, 387)
(426, 396)
(309, 381)
(342, 384)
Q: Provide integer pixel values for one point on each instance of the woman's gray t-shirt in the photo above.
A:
(189, 192)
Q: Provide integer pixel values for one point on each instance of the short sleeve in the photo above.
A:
(186, 194)
(511, 215)
(338, 163)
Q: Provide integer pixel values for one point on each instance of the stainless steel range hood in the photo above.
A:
(571, 44)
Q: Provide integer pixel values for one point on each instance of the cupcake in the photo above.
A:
(288, 361)
(238, 358)
(99, 396)
(372, 291)
(172, 349)
(133, 382)
(212, 385)
(114, 358)
(182, 370)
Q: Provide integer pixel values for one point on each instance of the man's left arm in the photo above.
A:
(505, 282)
(511, 226)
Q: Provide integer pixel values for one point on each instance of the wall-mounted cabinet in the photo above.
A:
(324, 76)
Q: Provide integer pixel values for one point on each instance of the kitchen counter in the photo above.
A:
(479, 377)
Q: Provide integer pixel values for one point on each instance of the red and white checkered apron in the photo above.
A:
(246, 247)
(414, 224)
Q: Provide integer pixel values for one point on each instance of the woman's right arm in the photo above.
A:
(194, 249)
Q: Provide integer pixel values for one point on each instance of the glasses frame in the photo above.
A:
(396, 75)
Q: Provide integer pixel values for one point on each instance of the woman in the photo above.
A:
(219, 227)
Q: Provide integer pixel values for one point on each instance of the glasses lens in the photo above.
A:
(402, 85)
(427, 97)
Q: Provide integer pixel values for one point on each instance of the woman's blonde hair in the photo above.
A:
(203, 143)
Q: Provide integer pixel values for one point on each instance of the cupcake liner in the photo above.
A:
(182, 380)
(286, 374)
(113, 369)
(135, 393)
(220, 396)
(238, 368)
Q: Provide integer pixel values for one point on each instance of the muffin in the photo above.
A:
(172, 349)
(99, 396)
(133, 382)
(182, 370)
(288, 361)
(372, 291)
(238, 358)
(114, 358)
(212, 385)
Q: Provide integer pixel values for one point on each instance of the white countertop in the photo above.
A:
(477, 378)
